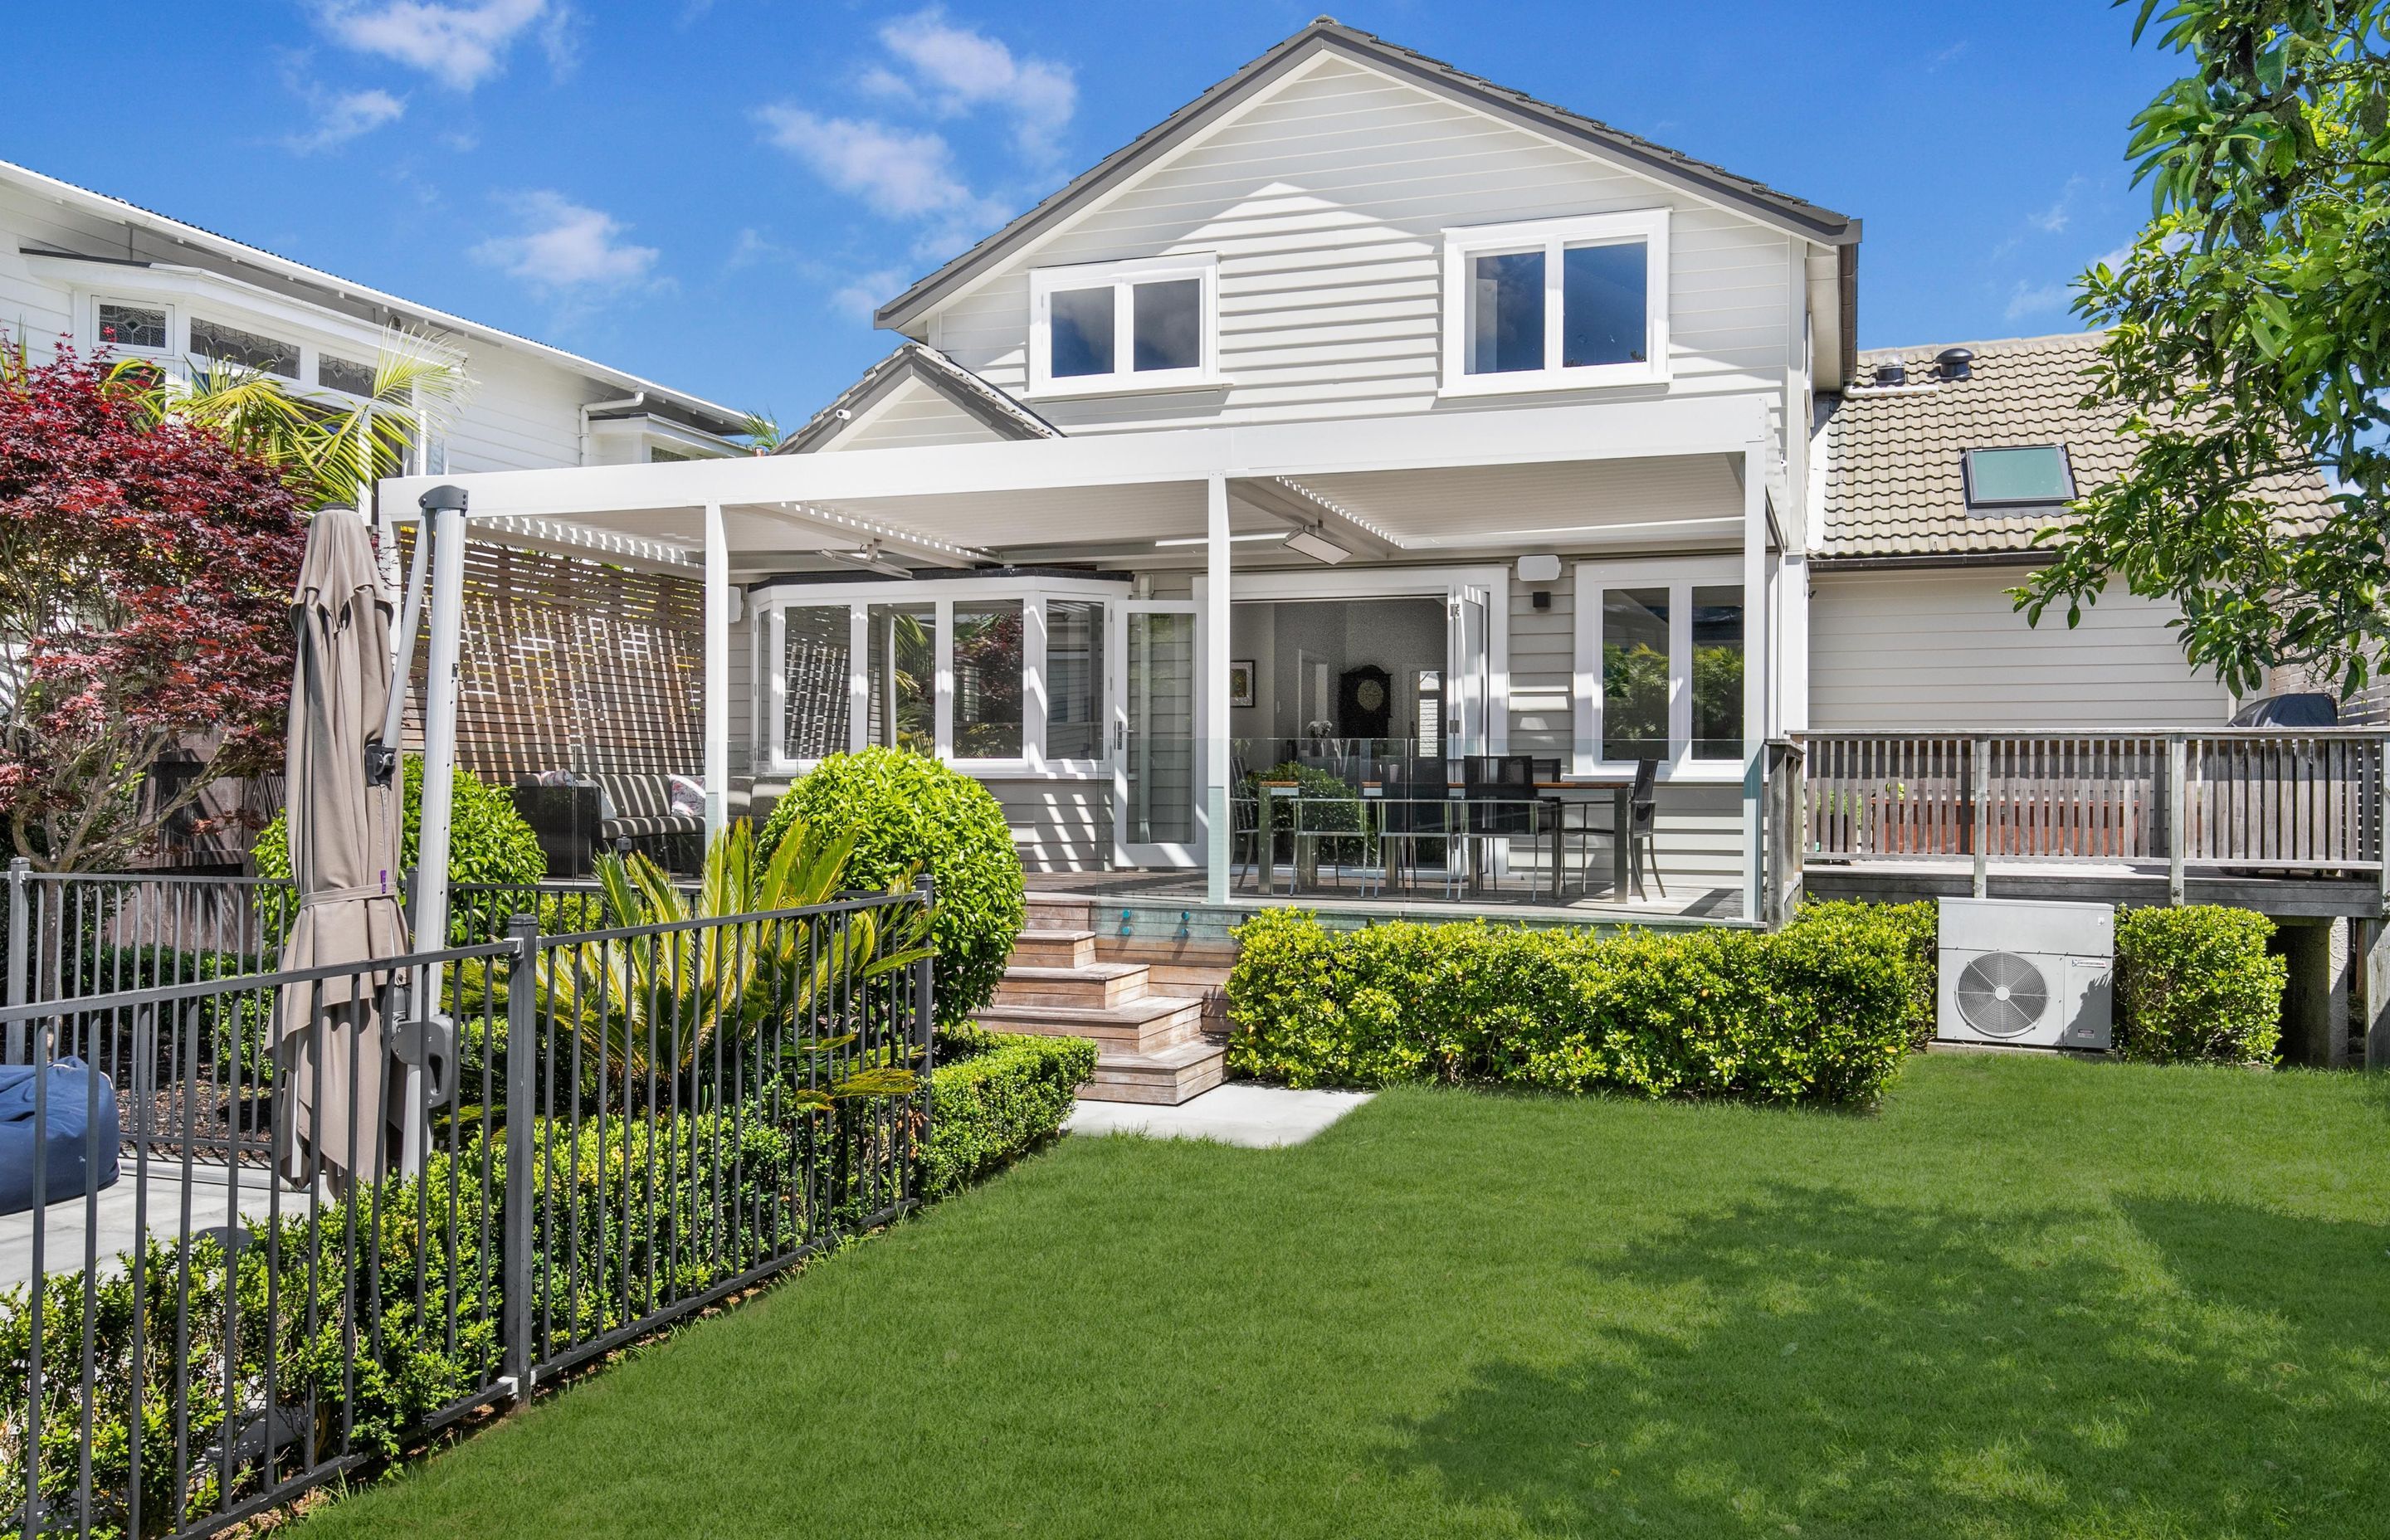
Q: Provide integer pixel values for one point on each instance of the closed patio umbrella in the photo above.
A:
(337, 1098)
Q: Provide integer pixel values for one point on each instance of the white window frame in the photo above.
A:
(92, 343)
(1680, 576)
(770, 607)
(1553, 237)
(1121, 278)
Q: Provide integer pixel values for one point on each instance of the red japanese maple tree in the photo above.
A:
(145, 570)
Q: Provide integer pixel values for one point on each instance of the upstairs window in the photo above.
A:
(1124, 325)
(1557, 304)
(335, 373)
(2033, 476)
(246, 350)
(140, 328)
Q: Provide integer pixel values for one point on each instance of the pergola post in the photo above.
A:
(717, 672)
(1219, 833)
(1754, 674)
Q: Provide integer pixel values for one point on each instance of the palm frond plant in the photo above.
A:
(720, 1010)
(329, 453)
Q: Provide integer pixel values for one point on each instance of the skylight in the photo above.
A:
(2032, 476)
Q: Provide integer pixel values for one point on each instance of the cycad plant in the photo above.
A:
(723, 1008)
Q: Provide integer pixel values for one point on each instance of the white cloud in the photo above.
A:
(345, 116)
(904, 173)
(566, 247)
(956, 70)
(2028, 299)
(2061, 213)
(459, 45)
(865, 292)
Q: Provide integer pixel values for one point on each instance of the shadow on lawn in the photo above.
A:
(1830, 1366)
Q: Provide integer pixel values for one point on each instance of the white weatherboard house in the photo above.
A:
(109, 276)
(1362, 411)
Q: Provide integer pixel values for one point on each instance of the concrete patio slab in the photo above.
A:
(1255, 1117)
(115, 1215)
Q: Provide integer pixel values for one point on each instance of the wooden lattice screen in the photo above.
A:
(570, 664)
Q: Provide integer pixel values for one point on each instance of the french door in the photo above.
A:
(1157, 757)
(1468, 686)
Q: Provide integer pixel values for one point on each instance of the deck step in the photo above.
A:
(1141, 1026)
(1163, 1078)
(1054, 949)
(1096, 986)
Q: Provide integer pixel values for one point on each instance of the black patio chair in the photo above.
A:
(1641, 831)
(1411, 807)
(1498, 799)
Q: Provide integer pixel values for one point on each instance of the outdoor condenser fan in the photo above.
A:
(2001, 994)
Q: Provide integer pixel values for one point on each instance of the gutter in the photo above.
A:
(1931, 560)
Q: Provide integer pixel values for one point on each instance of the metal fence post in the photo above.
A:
(1979, 774)
(925, 1027)
(2177, 813)
(522, 1051)
(20, 878)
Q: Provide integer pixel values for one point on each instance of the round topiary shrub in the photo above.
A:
(488, 841)
(907, 814)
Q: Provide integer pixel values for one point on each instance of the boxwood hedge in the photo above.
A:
(2196, 983)
(1819, 1012)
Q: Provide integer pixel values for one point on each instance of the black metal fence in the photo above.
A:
(300, 1221)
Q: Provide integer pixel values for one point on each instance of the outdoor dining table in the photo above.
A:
(1578, 791)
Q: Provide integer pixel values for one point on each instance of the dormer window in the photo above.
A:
(2021, 477)
(1557, 304)
(1125, 325)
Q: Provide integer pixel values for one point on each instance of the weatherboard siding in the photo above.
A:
(1892, 649)
(1327, 204)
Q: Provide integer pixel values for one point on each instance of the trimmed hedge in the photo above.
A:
(1818, 1012)
(2196, 984)
(1920, 925)
(909, 814)
(995, 1098)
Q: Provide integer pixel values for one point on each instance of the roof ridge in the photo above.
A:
(2007, 343)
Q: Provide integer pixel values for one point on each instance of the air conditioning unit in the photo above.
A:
(2026, 973)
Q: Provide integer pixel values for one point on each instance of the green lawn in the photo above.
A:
(2028, 1298)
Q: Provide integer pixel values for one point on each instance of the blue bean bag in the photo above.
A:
(67, 1113)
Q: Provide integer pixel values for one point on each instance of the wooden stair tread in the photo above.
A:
(1129, 1013)
(1038, 973)
(1175, 1056)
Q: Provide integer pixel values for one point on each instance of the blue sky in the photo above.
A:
(712, 193)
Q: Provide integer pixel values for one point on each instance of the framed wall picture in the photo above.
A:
(1240, 681)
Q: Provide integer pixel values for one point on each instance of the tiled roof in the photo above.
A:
(1893, 483)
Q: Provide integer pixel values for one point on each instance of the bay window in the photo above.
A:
(1557, 304)
(1659, 667)
(1003, 675)
(1125, 325)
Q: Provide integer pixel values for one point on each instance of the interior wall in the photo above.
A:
(1287, 638)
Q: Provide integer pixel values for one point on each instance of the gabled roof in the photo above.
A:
(920, 364)
(333, 290)
(1894, 482)
(1327, 34)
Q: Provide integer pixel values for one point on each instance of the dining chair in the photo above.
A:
(1644, 825)
(1498, 799)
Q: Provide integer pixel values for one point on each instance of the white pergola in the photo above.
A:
(1495, 482)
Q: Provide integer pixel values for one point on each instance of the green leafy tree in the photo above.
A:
(2249, 342)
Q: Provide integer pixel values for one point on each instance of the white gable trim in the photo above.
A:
(915, 313)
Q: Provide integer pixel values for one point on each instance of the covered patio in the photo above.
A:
(1081, 623)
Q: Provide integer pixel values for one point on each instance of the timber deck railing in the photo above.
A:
(2260, 800)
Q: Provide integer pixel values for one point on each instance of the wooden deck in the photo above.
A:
(1177, 890)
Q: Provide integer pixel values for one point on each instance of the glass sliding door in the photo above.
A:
(1157, 763)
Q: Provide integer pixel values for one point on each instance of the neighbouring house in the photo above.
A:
(1365, 413)
(563, 632)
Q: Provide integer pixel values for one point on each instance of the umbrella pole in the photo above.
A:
(444, 507)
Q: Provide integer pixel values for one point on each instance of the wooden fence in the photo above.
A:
(2254, 799)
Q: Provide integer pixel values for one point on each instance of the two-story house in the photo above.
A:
(1365, 414)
